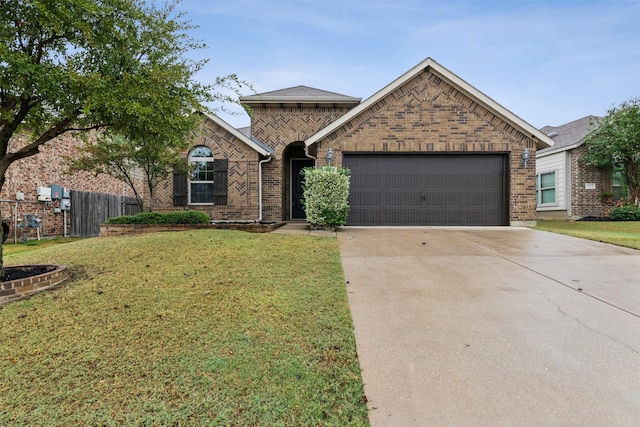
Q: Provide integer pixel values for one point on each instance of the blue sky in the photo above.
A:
(549, 62)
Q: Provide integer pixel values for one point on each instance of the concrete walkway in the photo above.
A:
(494, 327)
(303, 229)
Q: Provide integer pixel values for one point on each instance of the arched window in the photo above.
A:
(201, 179)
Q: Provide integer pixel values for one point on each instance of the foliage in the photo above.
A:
(615, 144)
(623, 233)
(77, 65)
(326, 194)
(123, 158)
(625, 213)
(80, 65)
(181, 217)
(178, 329)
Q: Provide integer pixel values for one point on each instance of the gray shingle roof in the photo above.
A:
(570, 134)
(300, 94)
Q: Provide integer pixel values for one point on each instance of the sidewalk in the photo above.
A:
(303, 229)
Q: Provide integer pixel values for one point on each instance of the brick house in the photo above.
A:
(43, 170)
(427, 149)
(567, 188)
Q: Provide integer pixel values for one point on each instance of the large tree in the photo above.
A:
(150, 160)
(79, 65)
(615, 144)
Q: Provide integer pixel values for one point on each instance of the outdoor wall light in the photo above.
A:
(330, 156)
(525, 157)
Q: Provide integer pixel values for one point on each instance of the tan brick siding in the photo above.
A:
(586, 202)
(242, 191)
(279, 127)
(424, 115)
(428, 115)
(46, 168)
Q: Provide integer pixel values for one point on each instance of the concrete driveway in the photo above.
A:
(494, 326)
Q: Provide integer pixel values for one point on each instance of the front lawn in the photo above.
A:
(194, 328)
(622, 233)
(11, 248)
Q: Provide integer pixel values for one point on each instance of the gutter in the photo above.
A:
(260, 163)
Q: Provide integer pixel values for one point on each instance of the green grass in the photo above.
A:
(184, 329)
(622, 233)
(16, 248)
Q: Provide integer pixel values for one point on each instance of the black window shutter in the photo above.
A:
(220, 167)
(179, 189)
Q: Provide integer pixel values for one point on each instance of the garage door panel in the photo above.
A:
(367, 180)
(372, 199)
(405, 189)
(453, 200)
(400, 199)
(433, 199)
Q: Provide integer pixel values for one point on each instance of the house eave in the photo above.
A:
(251, 142)
(551, 151)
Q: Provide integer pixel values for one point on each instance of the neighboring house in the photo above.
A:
(23, 178)
(427, 149)
(566, 187)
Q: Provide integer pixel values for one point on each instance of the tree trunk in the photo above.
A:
(1, 247)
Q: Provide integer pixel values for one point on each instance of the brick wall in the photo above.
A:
(586, 202)
(424, 115)
(242, 175)
(428, 115)
(46, 168)
(279, 127)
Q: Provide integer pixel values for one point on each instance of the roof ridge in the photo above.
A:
(572, 123)
(300, 93)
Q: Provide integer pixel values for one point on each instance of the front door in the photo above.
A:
(297, 209)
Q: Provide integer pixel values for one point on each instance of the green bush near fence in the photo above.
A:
(182, 217)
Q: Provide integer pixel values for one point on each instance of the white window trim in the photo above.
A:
(189, 181)
(539, 189)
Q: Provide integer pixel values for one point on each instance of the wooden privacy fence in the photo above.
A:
(89, 210)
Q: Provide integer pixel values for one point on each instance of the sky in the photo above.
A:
(548, 62)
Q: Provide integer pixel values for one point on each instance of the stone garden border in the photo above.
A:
(14, 289)
(114, 230)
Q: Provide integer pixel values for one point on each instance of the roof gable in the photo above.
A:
(543, 141)
(299, 94)
(251, 141)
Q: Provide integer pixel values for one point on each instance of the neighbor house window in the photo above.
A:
(201, 179)
(546, 188)
(618, 187)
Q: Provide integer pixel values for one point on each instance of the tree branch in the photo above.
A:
(34, 147)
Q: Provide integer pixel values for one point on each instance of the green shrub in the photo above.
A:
(326, 194)
(182, 217)
(625, 213)
(124, 219)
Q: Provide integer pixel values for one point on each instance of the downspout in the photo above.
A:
(268, 159)
(306, 153)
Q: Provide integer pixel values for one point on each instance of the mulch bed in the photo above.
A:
(595, 218)
(16, 273)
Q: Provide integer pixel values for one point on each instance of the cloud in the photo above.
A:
(544, 60)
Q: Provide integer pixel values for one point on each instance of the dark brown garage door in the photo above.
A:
(437, 189)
